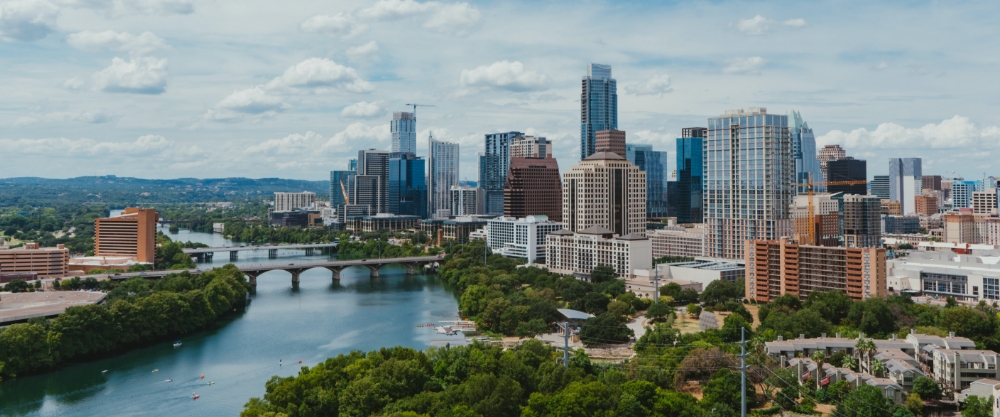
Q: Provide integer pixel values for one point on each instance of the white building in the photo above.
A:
(965, 277)
(530, 147)
(678, 241)
(520, 238)
(579, 253)
(292, 201)
(442, 174)
(607, 191)
(466, 201)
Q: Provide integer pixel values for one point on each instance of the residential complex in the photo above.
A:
(778, 267)
(825, 227)
(132, 235)
(520, 237)
(578, 253)
(533, 188)
(678, 241)
(292, 201)
(442, 174)
(925, 205)
(466, 201)
(605, 190)
(862, 221)
(985, 202)
(598, 106)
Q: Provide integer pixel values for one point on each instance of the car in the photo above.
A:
(363, 260)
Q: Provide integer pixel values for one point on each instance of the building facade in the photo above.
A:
(530, 147)
(880, 186)
(945, 274)
(825, 227)
(46, 262)
(654, 164)
(825, 155)
(341, 187)
(371, 184)
(677, 241)
(925, 205)
(292, 201)
(404, 132)
(847, 169)
(605, 190)
(578, 253)
(407, 185)
(598, 106)
(984, 202)
(931, 182)
(778, 267)
(131, 234)
(905, 181)
(804, 151)
(749, 172)
(493, 166)
(610, 141)
(961, 193)
(466, 201)
(442, 174)
(900, 224)
(686, 199)
(862, 221)
(520, 237)
(532, 188)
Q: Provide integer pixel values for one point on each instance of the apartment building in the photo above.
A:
(520, 237)
(777, 267)
(578, 253)
(292, 201)
(131, 234)
(46, 262)
(678, 241)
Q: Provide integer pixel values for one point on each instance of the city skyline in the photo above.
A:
(143, 91)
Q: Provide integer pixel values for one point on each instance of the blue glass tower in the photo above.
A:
(598, 106)
(654, 163)
(804, 151)
(404, 132)
(407, 185)
(493, 165)
(687, 200)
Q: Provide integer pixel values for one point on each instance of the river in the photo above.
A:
(318, 320)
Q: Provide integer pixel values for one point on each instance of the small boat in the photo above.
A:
(104, 371)
(300, 360)
(169, 380)
(210, 383)
(157, 369)
(202, 376)
(177, 343)
(195, 396)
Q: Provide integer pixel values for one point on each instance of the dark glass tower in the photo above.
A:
(407, 185)
(598, 106)
(848, 169)
(493, 165)
(686, 196)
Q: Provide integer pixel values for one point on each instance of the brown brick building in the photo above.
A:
(610, 141)
(926, 205)
(533, 187)
(46, 262)
(774, 268)
(132, 235)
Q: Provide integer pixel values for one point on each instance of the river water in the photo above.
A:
(319, 319)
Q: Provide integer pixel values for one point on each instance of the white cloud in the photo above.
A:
(137, 75)
(881, 66)
(362, 109)
(340, 24)
(356, 134)
(26, 20)
(394, 9)
(652, 137)
(110, 40)
(505, 75)
(361, 51)
(795, 23)
(458, 19)
(89, 116)
(955, 133)
(658, 85)
(74, 83)
(756, 25)
(253, 101)
(294, 144)
(749, 65)
(147, 145)
(115, 8)
(321, 73)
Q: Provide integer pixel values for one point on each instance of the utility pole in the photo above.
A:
(656, 287)
(565, 326)
(743, 371)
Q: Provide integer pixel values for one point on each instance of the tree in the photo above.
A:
(732, 328)
(602, 273)
(832, 305)
(819, 357)
(926, 388)
(866, 401)
(592, 302)
(915, 404)
(620, 309)
(720, 291)
(724, 389)
(976, 406)
(659, 311)
(16, 286)
(878, 368)
(850, 363)
(604, 329)
(531, 328)
(693, 310)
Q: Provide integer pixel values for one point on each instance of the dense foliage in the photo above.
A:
(137, 312)
(380, 248)
(202, 217)
(257, 233)
(70, 225)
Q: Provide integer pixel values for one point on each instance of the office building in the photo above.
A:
(466, 201)
(961, 193)
(984, 202)
(407, 185)
(880, 186)
(947, 274)
(825, 155)
(132, 234)
(749, 173)
(460, 228)
(382, 221)
(905, 180)
(966, 227)
(341, 187)
(900, 224)
(925, 205)
(610, 141)
(298, 218)
(605, 190)
(442, 174)
(654, 164)
(847, 169)
(371, 184)
(825, 227)
(598, 107)
(533, 188)
(931, 182)
(804, 151)
(520, 237)
(684, 197)
(292, 201)
(578, 253)
(493, 166)
(862, 221)
(890, 208)
(678, 241)
(778, 267)
(530, 147)
(404, 132)
(31, 258)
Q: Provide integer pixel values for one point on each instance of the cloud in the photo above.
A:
(27, 20)
(89, 116)
(116, 41)
(137, 75)
(749, 65)
(395, 9)
(357, 133)
(340, 24)
(362, 109)
(795, 23)
(505, 75)
(74, 83)
(756, 25)
(955, 133)
(880, 66)
(294, 144)
(321, 73)
(362, 51)
(658, 85)
(253, 101)
(115, 8)
(452, 18)
(148, 145)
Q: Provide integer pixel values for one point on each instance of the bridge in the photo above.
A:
(272, 250)
(295, 268)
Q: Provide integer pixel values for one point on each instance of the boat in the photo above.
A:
(104, 371)
(195, 396)
(177, 343)
(169, 380)
(300, 360)
(157, 369)
(202, 376)
(210, 383)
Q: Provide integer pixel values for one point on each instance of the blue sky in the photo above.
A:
(189, 88)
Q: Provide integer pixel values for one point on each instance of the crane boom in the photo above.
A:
(344, 190)
(415, 107)
(811, 215)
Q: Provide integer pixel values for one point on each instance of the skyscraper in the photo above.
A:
(493, 166)
(961, 192)
(685, 197)
(654, 164)
(404, 132)
(466, 201)
(442, 174)
(749, 170)
(610, 141)
(804, 150)
(371, 184)
(533, 188)
(880, 186)
(598, 106)
(905, 180)
(530, 147)
(847, 169)
(607, 191)
(407, 186)
(827, 154)
(341, 187)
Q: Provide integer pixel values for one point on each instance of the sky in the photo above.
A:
(293, 89)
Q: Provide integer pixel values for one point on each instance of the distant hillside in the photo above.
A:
(125, 191)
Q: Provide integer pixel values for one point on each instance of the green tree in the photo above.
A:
(16, 286)
(976, 406)
(915, 404)
(927, 388)
(602, 273)
(720, 291)
(620, 309)
(693, 310)
(724, 389)
(866, 401)
(820, 358)
(833, 305)
(731, 328)
(604, 329)
(659, 311)
(531, 328)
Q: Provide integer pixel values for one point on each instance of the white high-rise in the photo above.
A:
(905, 182)
(605, 190)
(404, 132)
(442, 174)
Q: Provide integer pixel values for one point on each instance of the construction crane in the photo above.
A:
(415, 107)
(347, 199)
(810, 185)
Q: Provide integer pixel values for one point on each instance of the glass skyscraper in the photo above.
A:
(493, 165)
(598, 106)
(686, 197)
(804, 151)
(442, 174)
(654, 164)
(404, 132)
(905, 182)
(407, 186)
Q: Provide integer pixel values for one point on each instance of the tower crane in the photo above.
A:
(810, 185)
(415, 107)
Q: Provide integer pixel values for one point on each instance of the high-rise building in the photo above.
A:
(342, 184)
(984, 202)
(131, 234)
(749, 172)
(654, 164)
(371, 184)
(404, 132)
(686, 199)
(804, 151)
(925, 205)
(847, 169)
(292, 201)
(442, 174)
(578, 253)
(407, 185)
(493, 165)
(880, 186)
(825, 226)
(826, 154)
(598, 106)
(931, 182)
(961, 193)
(610, 141)
(530, 147)
(533, 188)
(466, 201)
(905, 181)
(605, 190)
(862, 221)
(775, 268)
